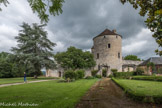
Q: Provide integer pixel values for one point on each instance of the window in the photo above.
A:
(98, 67)
(109, 45)
(97, 55)
(118, 55)
(104, 36)
(116, 36)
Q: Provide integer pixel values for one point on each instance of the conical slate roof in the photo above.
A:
(107, 32)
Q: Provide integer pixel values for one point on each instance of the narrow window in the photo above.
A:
(97, 55)
(118, 55)
(116, 36)
(109, 45)
(98, 67)
(104, 36)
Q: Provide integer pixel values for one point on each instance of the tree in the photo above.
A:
(153, 10)
(132, 57)
(43, 7)
(34, 49)
(75, 58)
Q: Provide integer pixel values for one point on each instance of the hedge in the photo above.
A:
(138, 97)
(123, 74)
(149, 78)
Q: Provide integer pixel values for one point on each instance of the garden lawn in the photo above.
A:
(140, 87)
(20, 80)
(50, 94)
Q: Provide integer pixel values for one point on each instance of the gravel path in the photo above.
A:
(106, 94)
(4, 85)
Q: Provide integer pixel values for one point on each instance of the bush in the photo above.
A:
(80, 74)
(104, 72)
(94, 72)
(149, 78)
(139, 71)
(98, 76)
(89, 77)
(114, 70)
(70, 74)
(123, 74)
(159, 71)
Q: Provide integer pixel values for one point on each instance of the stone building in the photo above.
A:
(107, 51)
(157, 61)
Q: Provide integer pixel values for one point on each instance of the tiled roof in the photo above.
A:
(155, 60)
(107, 32)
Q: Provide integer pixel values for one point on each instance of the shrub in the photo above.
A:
(104, 72)
(89, 77)
(98, 76)
(80, 73)
(110, 76)
(139, 71)
(70, 74)
(159, 71)
(94, 72)
(123, 74)
(114, 70)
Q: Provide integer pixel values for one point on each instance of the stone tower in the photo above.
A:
(107, 51)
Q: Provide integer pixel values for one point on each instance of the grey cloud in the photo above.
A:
(81, 21)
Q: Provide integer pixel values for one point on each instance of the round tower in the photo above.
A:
(107, 51)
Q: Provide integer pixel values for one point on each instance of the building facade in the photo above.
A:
(107, 51)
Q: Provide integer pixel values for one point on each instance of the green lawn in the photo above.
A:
(17, 80)
(50, 94)
(140, 87)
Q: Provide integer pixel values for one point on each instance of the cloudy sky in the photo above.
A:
(80, 22)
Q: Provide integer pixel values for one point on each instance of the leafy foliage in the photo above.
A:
(114, 70)
(80, 74)
(43, 7)
(75, 58)
(70, 74)
(123, 74)
(132, 57)
(139, 71)
(104, 72)
(94, 72)
(153, 10)
(34, 49)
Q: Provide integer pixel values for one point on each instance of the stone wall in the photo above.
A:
(108, 56)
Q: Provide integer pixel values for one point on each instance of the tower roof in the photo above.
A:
(107, 32)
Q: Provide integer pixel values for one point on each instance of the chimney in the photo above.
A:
(114, 30)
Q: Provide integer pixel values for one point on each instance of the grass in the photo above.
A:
(142, 89)
(19, 80)
(50, 94)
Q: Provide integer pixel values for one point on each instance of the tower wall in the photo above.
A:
(104, 55)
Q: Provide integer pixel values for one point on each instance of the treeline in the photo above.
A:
(10, 67)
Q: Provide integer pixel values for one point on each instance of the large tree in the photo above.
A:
(43, 8)
(132, 57)
(75, 58)
(34, 49)
(153, 10)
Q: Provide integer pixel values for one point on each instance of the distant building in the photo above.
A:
(149, 70)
